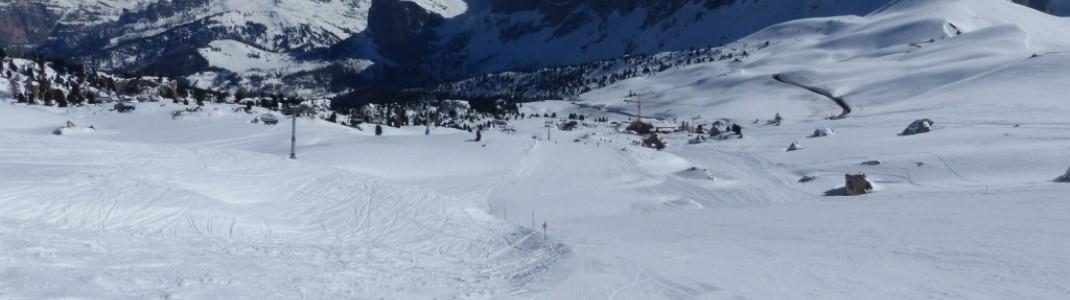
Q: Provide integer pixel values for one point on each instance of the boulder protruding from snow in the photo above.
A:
(857, 184)
(820, 132)
(918, 126)
(1065, 177)
(269, 119)
(124, 107)
(872, 163)
(794, 146)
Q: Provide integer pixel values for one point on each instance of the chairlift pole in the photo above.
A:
(549, 125)
(293, 137)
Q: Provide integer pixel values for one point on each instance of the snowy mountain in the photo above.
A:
(336, 45)
(868, 44)
(519, 35)
(206, 203)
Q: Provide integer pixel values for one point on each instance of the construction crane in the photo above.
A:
(638, 100)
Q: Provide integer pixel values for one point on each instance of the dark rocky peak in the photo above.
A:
(402, 29)
(1041, 5)
(567, 14)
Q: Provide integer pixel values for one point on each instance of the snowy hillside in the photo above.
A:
(207, 205)
(88, 11)
(544, 36)
(939, 49)
(272, 25)
(171, 37)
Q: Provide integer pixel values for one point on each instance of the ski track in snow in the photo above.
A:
(224, 201)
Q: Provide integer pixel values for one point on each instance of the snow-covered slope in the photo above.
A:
(935, 48)
(208, 206)
(198, 221)
(268, 24)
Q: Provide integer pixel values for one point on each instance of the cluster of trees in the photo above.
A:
(48, 82)
(36, 79)
(424, 113)
(575, 116)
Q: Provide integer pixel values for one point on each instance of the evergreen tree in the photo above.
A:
(62, 100)
(200, 95)
(74, 99)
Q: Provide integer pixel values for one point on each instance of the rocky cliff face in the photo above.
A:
(401, 29)
(25, 23)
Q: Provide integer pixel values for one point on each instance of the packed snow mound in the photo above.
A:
(695, 173)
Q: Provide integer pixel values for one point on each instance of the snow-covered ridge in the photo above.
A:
(279, 25)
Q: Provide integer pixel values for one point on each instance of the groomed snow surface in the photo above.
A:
(210, 206)
(89, 216)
